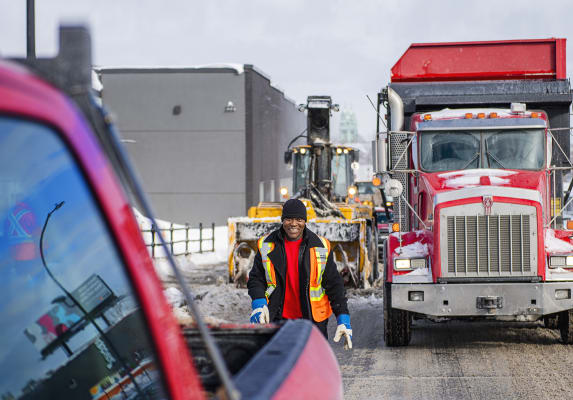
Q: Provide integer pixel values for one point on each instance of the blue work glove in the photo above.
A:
(344, 329)
(260, 314)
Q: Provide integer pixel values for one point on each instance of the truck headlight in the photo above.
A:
(402, 264)
(562, 294)
(560, 261)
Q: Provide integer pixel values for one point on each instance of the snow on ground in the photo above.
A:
(206, 276)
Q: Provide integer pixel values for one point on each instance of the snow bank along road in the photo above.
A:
(447, 360)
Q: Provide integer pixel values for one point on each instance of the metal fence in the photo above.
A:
(179, 239)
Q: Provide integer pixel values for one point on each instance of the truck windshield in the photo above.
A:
(504, 149)
(71, 324)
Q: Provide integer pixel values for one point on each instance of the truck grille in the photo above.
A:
(489, 245)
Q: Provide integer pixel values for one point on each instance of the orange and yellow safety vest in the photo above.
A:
(319, 303)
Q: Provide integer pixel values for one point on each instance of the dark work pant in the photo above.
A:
(323, 327)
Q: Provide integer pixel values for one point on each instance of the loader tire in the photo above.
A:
(551, 321)
(565, 321)
(397, 323)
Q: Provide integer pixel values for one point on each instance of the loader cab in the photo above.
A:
(342, 161)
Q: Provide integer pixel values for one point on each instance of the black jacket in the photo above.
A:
(331, 280)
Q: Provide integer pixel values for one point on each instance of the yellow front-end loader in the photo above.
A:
(323, 181)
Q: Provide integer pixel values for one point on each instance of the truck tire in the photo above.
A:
(397, 323)
(551, 321)
(565, 321)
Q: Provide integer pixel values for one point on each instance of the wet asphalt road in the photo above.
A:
(453, 360)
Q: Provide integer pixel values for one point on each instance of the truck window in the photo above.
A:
(340, 166)
(71, 325)
(523, 149)
(447, 151)
(505, 149)
(302, 170)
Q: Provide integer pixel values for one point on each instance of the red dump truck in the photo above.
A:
(474, 156)
(83, 312)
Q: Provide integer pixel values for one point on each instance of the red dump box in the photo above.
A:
(494, 60)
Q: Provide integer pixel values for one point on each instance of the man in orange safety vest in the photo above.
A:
(294, 276)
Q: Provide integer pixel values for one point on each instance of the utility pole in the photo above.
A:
(30, 29)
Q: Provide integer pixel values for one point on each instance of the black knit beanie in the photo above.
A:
(294, 208)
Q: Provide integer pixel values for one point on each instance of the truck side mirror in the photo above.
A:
(288, 157)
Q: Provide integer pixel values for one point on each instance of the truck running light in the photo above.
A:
(493, 115)
(302, 151)
(376, 181)
(427, 117)
(534, 115)
(481, 115)
(395, 227)
(338, 150)
(469, 115)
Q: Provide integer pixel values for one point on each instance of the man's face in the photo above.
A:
(293, 227)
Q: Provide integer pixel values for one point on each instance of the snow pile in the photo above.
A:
(416, 249)
(216, 303)
(556, 245)
(472, 177)
(174, 296)
(219, 256)
(479, 172)
(358, 301)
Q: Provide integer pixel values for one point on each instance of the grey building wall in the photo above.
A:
(272, 121)
(188, 150)
(197, 161)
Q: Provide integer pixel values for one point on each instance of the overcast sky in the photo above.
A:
(344, 49)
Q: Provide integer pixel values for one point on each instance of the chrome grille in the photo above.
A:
(488, 245)
(398, 142)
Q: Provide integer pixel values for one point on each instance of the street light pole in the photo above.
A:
(30, 29)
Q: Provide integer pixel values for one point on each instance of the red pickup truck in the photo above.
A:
(83, 312)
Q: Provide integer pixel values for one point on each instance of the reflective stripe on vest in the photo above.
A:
(265, 248)
(321, 255)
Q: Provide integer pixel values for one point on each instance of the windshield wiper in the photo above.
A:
(488, 154)
(471, 161)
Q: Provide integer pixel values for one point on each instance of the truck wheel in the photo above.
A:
(397, 323)
(551, 321)
(565, 321)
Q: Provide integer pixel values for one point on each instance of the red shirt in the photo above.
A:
(291, 309)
